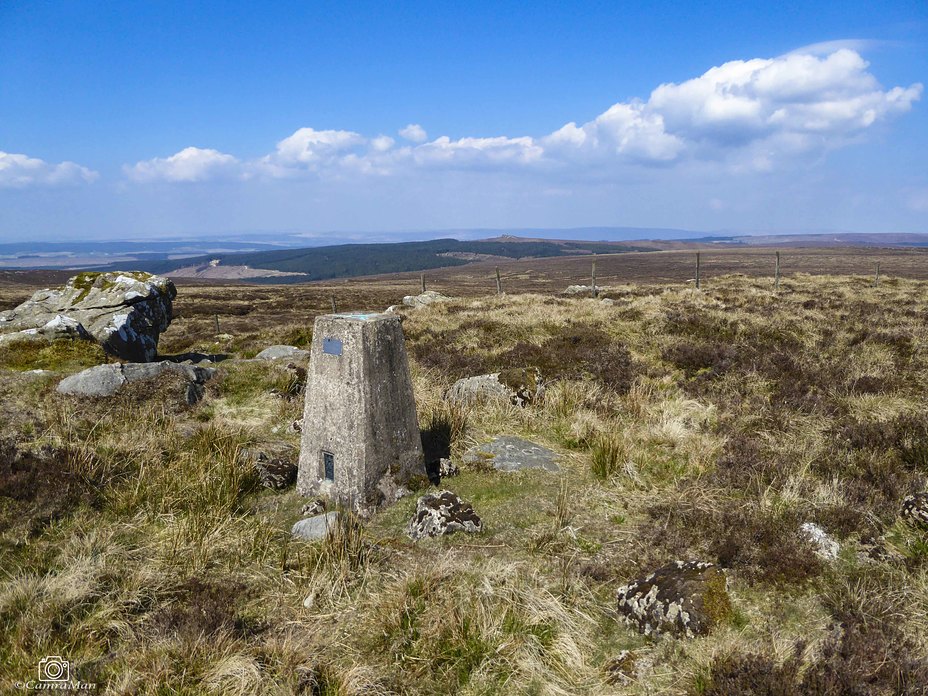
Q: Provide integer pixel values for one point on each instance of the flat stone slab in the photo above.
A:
(314, 528)
(281, 352)
(509, 453)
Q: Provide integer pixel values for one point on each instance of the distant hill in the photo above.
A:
(352, 260)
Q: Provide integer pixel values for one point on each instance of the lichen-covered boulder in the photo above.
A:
(915, 510)
(126, 312)
(519, 386)
(442, 513)
(683, 599)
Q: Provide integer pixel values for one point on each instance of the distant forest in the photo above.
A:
(350, 260)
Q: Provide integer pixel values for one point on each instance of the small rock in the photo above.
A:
(316, 507)
(426, 298)
(280, 352)
(315, 528)
(276, 474)
(683, 598)
(442, 513)
(608, 301)
(296, 426)
(915, 510)
(822, 544)
(621, 668)
(447, 468)
(509, 453)
(583, 290)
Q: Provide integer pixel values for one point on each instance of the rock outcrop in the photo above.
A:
(442, 513)
(425, 299)
(509, 453)
(683, 599)
(125, 312)
(520, 386)
(106, 380)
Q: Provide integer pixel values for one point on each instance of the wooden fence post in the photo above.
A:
(697, 270)
(776, 280)
(334, 306)
(216, 317)
(593, 280)
(422, 280)
(876, 281)
(499, 283)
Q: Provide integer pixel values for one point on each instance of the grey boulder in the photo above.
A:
(509, 453)
(519, 386)
(126, 312)
(106, 380)
(423, 300)
(315, 528)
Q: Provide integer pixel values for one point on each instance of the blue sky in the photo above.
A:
(134, 119)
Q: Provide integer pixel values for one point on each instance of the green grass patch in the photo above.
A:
(60, 356)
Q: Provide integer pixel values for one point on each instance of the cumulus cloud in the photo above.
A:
(20, 171)
(415, 133)
(751, 114)
(189, 165)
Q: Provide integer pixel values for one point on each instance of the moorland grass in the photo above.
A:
(690, 424)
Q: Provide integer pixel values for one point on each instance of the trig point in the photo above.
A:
(360, 432)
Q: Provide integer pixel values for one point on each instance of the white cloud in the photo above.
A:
(189, 165)
(745, 114)
(382, 143)
(20, 171)
(478, 151)
(415, 133)
(790, 104)
(310, 146)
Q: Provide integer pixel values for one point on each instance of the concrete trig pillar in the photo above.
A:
(360, 432)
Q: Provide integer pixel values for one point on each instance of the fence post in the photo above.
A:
(216, 317)
(422, 280)
(776, 281)
(876, 281)
(697, 270)
(593, 280)
(334, 306)
(499, 283)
